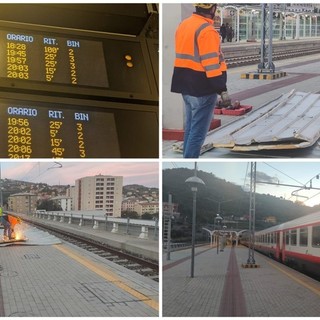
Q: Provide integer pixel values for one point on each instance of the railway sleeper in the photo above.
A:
(112, 258)
(133, 266)
(122, 261)
(146, 270)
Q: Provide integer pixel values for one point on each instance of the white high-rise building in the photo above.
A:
(99, 193)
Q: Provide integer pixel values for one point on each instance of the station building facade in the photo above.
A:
(290, 21)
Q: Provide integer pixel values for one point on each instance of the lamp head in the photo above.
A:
(194, 182)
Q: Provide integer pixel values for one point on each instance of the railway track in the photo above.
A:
(137, 264)
(244, 60)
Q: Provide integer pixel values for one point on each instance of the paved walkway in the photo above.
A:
(66, 281)
(221, 287)
(302, 75)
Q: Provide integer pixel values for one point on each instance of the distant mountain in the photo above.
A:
(138, 188)
(234, 201)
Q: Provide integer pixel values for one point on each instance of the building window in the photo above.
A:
(99, 184)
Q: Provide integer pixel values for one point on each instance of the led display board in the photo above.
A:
(42, 58)
(56, 131)
(52, 59)
(76, 94)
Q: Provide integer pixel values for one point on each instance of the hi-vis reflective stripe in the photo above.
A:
(212, 67)
(196, 56)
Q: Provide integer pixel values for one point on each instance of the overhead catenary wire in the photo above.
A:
(302, 184)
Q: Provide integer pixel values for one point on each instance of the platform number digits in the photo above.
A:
(72, 45)
(17, 63)
(19, 138)
(82, 149)
(56, 142)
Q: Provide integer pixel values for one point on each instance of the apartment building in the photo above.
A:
(22, 203)
(64, 202)
(146, 207)
(101, 192)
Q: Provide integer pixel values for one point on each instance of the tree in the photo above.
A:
(48, 205)
(234, 201)
(129, 214)
(149, 216)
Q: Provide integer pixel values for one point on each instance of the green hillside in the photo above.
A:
(234, 201)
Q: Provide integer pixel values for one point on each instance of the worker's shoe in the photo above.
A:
(5, 238)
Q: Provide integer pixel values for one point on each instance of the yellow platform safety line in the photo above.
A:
(293, 277)
(110, 276)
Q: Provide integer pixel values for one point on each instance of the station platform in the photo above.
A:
(222, 287)
(147, 248)
(302, 75)
(62, 280)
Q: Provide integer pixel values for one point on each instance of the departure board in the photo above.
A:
(52, 59)
(45, 130)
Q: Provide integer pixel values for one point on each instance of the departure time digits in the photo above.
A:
(19, 138)
(17, 65)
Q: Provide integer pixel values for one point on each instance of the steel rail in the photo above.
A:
(234, 62)
(127, 260)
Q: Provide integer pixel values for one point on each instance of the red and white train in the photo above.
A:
(295, 243)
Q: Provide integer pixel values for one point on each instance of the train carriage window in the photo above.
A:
(276, 237)
(316, 236)
(293, 237)
(287, 237)
(303, 237)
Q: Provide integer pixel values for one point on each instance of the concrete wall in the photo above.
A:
(173, 110)
(172, 104)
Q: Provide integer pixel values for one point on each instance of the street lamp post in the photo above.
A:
(217, 222)
(252, 212)
(194, 183)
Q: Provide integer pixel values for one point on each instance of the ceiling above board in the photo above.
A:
(128, 19)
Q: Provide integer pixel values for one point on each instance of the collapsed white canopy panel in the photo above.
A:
(288, 122)
(34, 237)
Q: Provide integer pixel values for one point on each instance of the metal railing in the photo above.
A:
(144, 229)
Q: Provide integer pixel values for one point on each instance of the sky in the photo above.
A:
(294, 173)
(66, 172)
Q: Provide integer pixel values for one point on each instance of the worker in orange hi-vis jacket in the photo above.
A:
(199, 74)
(9, 222)
(6, 225)
(13, 221)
